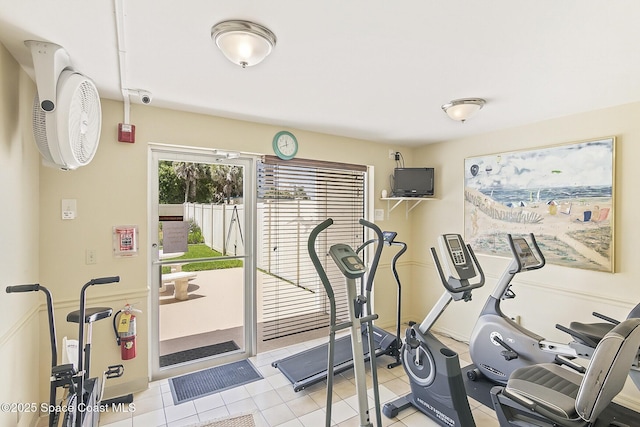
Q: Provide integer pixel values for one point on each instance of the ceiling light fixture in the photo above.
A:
(462, 109)
(242, 42)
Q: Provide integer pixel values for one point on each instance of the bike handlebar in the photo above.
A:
(462, 285)
(51, 319)
(23, 288)
(104, 280)
(534, 243)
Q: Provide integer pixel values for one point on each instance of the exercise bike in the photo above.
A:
(435, 377)
(498, 345)
(590, 334)
(548, 395)
(57, 380)
(89, 404)
(506, 353)
(586, 337)
(72, 379)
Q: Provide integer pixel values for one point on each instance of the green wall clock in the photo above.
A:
(285, 145)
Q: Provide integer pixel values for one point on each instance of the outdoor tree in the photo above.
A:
(190, 173)
(200, 183)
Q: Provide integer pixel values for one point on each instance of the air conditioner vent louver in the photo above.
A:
(40, 130)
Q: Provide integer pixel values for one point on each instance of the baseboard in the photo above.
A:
(135, 386)
(391, 326)
(451, 334)
(30, 419)
(628, 401)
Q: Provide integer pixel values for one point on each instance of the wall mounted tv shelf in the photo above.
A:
(408, 206)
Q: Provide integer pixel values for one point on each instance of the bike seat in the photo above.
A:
(594, 331)
(90, 314)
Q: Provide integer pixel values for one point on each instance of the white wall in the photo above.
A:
(20, 325)
(554, 294)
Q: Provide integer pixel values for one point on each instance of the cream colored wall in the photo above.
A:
(554, 294)
(20, 335)
(112, 190)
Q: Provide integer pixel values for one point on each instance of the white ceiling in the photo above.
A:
(377, 70)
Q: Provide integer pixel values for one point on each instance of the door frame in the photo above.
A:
(159, 152)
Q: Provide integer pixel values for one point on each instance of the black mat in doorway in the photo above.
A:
(197, 353)
(212, 380)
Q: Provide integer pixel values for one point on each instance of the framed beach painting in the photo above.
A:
(562, 194)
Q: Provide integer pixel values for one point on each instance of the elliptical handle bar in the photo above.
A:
(464, 284)
(23, 288)
(311, 247)
(536, 248)
(376, 257)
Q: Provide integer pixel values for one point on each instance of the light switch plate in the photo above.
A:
(69, 209)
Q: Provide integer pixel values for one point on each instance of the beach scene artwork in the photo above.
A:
(562, 194)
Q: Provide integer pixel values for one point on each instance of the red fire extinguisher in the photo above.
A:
(124, 326)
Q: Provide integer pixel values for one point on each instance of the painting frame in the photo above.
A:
(564, 194)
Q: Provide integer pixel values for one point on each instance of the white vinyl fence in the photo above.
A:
(221, 225)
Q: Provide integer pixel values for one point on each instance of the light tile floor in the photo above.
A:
(273, 402)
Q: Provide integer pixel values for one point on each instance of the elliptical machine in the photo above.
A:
(310, 366)
(352, 268)
(498, 345)
(437, 387)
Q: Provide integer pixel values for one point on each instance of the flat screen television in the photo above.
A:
(413, 182)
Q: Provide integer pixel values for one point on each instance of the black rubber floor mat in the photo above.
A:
(480, 389)
(197, 353)
(214, 380)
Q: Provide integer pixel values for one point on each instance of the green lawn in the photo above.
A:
(203, 251)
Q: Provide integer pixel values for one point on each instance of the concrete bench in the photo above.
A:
(180, 279)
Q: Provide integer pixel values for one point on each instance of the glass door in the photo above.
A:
(202, 268)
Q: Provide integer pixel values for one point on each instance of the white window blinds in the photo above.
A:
(294, 196)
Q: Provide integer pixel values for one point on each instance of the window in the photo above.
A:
(293, 197)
